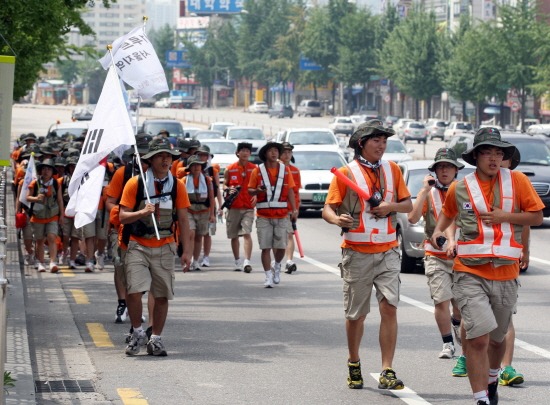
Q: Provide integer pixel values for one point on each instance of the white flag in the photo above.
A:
(83, 203)
(30, 175)
(109, 131)
(137, 63)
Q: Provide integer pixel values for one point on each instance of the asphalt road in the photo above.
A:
(231, 341)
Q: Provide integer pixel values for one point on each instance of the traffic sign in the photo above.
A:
(515, 106)
(387, 98)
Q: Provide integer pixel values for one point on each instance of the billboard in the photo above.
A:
(214, 6)
(177, 59)
(307, 64)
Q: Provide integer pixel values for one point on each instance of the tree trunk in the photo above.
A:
(464, 113)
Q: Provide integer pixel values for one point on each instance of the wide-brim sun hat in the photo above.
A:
(193, 160)
(367, 129)
(263, 150)
(46, 163)
(445, 155)
(488, 136)
(159, 146)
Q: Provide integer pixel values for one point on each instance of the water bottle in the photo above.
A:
(212, 228)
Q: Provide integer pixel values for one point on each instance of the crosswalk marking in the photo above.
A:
(99, 335)
(406, 394)
(131, 396)
(66, 271)
(80, 297)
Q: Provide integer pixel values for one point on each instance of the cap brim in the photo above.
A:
(149, 155)
(508, 149)
(458, 165)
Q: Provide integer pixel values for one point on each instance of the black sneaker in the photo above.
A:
(389, 381)
(290, 268)
(492, 393)
(481, 403)
(129, 335)
(121, 313)
(355, 379)
(149, 332)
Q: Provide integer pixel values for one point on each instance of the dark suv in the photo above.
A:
(535, 159)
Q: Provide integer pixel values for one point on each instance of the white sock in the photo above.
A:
(493, 375)
(481, 396)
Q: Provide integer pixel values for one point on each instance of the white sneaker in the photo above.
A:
(53, 267)
(41, 268)
(194, 266)
(29, 259)
(238, 265)
(100, 260)
(205, 262)
(268, 279)
(448, 351)
(247, 266)
(72, 264)
(89, 267)
(63, 259)
(276, 268)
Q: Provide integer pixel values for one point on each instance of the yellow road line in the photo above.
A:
(131, 396)
(80, 296)
(66, 271)
(99, 335)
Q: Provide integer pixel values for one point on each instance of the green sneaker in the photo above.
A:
(508, 376)
(355, 379)
(459, 370)
(389, 381)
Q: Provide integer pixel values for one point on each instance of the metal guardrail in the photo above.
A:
(3, 278)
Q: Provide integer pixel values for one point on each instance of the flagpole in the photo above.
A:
(138, 159)
(145, 18)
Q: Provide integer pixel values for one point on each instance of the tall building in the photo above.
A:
(162, 12)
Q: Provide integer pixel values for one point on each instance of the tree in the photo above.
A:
(411, 55)
(35, 31)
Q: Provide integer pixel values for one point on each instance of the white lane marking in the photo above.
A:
(429, 308)
(406, 394)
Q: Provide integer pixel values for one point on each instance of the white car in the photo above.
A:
(253, 135)
(397, 152)
(163, 103)
(223, 151)
(315, 163)
(455, 128)
(399, 124)
(220, 126)
(258, 107)
(341, 125)
(313, 136)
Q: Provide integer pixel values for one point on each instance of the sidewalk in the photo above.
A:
(18, 356)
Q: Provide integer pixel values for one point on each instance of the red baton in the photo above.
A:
(362, 193)
(297, 236)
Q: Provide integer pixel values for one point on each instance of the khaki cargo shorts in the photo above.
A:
(150, 269)
(27, 231)
(40, 231)
(272, 232)
(239, 222)
(486, 305)
(119, 255)
(440, 278)
(199, 222)
(94, 229)
(70, 230)
(362, 271)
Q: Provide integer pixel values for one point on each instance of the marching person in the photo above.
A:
(287, 159)
(490, 207)
(370, 255)
(437, 264)
(273, 185)
(47, 213)
(150, 262)
(202, 209)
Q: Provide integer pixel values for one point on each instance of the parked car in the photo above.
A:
(390, 121)
(456, 127)
(341, 125)
(414, 131)
(191, 131)
(535, 159)
(281, 111)
(396, 151)
(68, 129)
(206, 134)
(528, 123)
(258, 107)
(411, 236)
(436, 128)
(399, 124)
(253, 135)
(313, 108)
(83, 113)
(163, 103)
(154, 126)
(313, 136)
(220, 126)
(223, 151)
(542, 131)
(315, 163)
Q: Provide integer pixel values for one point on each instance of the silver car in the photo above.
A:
(411, 236)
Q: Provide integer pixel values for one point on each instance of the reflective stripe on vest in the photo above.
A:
(273, 192)
(371, 229)
(436, 203)
(489, 243)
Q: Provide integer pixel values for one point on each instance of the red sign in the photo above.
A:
(515, 106)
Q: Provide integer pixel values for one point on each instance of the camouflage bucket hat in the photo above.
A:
(60, 161)
(203, 149)
(490, 137)
(287, 146)
(32, 148)
(193, 160)
(161, 145)
(46, 163)
(445, 155)
(369, 128)
(183, 144)
(142, 143)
